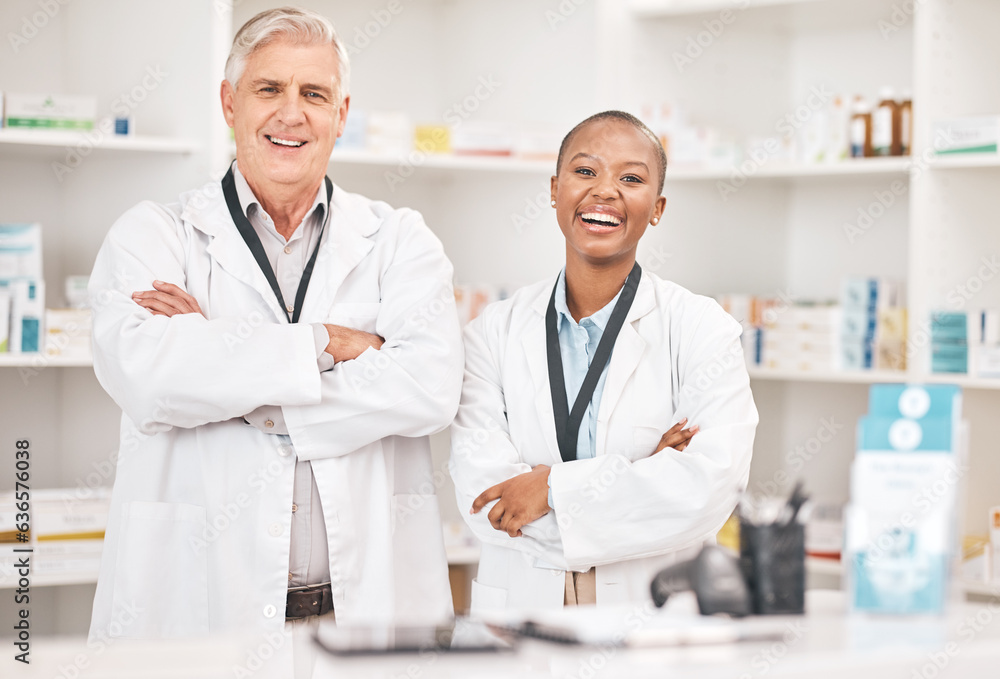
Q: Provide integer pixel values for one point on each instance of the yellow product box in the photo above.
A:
(432, 139)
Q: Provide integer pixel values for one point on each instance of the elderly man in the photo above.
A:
(281, 350)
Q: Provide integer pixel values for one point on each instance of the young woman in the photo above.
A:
(606, 422)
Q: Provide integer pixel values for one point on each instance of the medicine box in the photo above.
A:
(49, 111)
(978, 134)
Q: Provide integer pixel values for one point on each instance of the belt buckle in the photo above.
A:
(321, 602)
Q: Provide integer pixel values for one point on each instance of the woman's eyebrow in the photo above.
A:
(637, 162)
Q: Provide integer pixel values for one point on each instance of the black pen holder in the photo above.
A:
(773, 562)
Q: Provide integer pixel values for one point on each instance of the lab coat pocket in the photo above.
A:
(486, 598)
(357, 315)
(161, 572)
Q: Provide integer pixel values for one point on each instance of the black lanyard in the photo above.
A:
(253, 242)
(568, 423)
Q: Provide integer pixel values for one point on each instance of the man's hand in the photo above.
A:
(522, 499)
(346, 344)
(166, 299)
(677, 437)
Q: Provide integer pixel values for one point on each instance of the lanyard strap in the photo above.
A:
(567, 422)
(252, 240)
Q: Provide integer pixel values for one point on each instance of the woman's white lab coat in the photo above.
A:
(198, 534)
(626, 511)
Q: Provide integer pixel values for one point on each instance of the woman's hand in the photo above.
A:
(677, 437)
(522, 499)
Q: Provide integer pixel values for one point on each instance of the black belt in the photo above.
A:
(304, 602)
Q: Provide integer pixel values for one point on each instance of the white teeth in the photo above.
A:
(285, 142)
(602, 218)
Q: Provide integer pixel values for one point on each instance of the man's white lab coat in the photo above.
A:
(198, 535)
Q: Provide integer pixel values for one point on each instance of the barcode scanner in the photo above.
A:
(715, 577)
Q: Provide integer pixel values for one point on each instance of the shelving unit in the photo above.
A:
(422, 161)
(100, 48)
(781, 232)
(43, 361)
(36, 140)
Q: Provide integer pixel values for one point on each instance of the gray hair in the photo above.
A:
(299, 25)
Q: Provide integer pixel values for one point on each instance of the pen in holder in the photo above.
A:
(773, 560)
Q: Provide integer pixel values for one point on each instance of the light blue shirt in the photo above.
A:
(577, 344)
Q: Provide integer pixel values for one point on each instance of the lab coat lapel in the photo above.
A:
(534, 347)
(345, 245)
(208, 213)
(627, 353)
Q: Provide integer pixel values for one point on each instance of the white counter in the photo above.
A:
(825, 643)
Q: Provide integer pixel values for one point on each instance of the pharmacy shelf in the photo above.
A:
(417, 161)
(871, 377)
(829, 567)
(38, 361)
(405, 164)
(793, 15)
(965, 161)
(10, 580)
(820, 566)
(862, 167)
(667, 8)
(47, 139)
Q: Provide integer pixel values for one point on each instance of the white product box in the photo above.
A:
(76, 292)
(67, 333)
(985, 360)
(50, 111)
(483, 139)
(974, 134)
(20, 251)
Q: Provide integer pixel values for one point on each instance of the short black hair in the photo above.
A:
(661, 155)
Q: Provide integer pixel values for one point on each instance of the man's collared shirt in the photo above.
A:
(309, 561)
